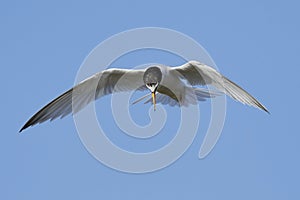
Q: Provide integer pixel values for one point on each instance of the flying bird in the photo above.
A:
(175, 86)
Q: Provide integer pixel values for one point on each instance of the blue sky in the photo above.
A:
(254, 43)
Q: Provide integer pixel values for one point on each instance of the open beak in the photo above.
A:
(154, 100)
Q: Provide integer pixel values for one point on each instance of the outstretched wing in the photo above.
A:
(197, 73)
(94, 87)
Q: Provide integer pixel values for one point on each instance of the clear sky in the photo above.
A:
(254, 43)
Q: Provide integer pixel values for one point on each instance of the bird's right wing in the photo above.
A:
(94, 87)
(197, 73)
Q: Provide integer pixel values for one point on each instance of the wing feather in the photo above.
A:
(94, 87)
(196, 73)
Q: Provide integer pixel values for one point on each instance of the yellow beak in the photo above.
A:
(154, 100)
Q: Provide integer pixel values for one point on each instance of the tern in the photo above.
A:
(175, 86)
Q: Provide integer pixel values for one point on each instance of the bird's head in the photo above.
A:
(152, 78)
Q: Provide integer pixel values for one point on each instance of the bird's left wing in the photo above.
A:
(197, 73)
(94, 87)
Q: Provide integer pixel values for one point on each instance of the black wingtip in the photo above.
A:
(26, 125)
(267, 111)
(263, 108)
(260, 106)
(23, 128)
